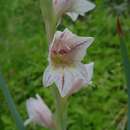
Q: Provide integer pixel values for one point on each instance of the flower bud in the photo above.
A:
(39, 113)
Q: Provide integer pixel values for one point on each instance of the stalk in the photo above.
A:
(49, 18)
(50, 21)
(61, 111)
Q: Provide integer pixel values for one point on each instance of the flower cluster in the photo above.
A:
(65, 69)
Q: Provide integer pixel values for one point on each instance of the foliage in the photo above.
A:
(23, 57)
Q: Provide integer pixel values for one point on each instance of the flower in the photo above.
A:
(73, 8)
(65, 68)
(38, 112)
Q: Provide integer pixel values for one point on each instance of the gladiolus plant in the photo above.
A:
(65, 70)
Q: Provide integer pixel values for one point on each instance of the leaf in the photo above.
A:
(11, 105)
(126, 62)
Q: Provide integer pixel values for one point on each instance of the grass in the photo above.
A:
(23, 58)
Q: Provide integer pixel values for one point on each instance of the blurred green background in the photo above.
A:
(23, 58)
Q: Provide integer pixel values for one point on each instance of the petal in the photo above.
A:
(76, 87)
(89, 69)
(86, 71)
(80, 7)
(73, 15)
(62, 6)
(29, 108)
(79, 49)
(83, 6)
(48, 77)
(81, 77)
(71, 77)
(59, 79)
(66, 34)
(79, 44)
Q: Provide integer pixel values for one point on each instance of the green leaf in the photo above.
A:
(11, 105)
(126, 63)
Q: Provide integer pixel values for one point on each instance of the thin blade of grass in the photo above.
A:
(126, 64)
(11, 105)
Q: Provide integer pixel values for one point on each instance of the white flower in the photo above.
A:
(73, 8)
(65, 68)
(39, 112)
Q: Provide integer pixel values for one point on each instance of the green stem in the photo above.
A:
(49, 18)
(61, 111)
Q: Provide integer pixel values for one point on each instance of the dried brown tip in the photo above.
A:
(119, 28)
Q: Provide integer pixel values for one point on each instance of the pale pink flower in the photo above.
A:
(73, 8)
(65, 68)
(39, 113)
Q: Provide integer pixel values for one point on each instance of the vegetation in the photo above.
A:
(23, 58)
